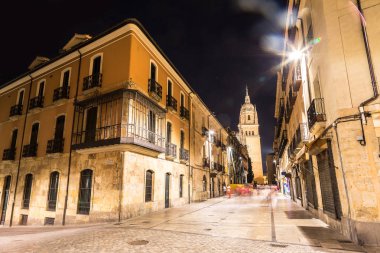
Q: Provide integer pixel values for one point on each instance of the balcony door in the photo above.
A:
(14, 139)
(41, 89)
(20, 98)
(153, 71)
(59, 126)
(5, 197)
(96, 65)
(151, 126)
(92, 115)
(65, 81)
(34, 134)
(169, 132)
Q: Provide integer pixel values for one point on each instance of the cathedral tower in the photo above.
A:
(249, 135)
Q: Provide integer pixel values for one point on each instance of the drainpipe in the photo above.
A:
(371, 72)
(20, 155)
(190, 177)
(71, 142)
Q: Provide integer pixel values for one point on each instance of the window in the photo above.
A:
(204, 183)
(170, 88)
(148, 186)
(96, 65)
(20, 99)
(85, 186)
(34, 134)
(182, 100)
(14, 139)
(27, 191)
(53, 190)
(153, 71)
(66, 79)
(91, 118)
(59, 126)
(168, 132)
(249, 117)
(41, 89)
(182, 139)
(180, 186)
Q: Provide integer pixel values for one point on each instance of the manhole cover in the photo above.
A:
(278, 245)
(118, 223)
(132, 224)
(207, 229)
(138, 242)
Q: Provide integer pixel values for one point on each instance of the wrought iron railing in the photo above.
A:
(55, 146)
(9, 154)
(15, 110)
(171, 102)
(184, 113)
(316, 112)
(155, 89)
(206, 162)
(283, 142)
(92, 81)
(36, 102)
(183, 154)
(171, 150)
(29, 150)
(61, 93)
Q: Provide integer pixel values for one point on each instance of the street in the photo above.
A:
(264, 222)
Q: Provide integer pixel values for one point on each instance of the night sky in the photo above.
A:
(219, 46)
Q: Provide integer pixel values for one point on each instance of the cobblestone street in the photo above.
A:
(264, 222)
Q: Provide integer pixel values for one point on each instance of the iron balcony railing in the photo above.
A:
(171, 150)
(288, 112)
(183, 154)
(55, 146)
(184, 113)
(155, 89)
(118, 134)
(29, 150)
(15, 110)
(92, 81)
(283, 142)
(9, 154)
(316, 112)
(61, 93)
(292, 96)
(36, 102)
(171, 102)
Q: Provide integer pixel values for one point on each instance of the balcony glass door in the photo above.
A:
(59, 126)
(14, 139)
(92, 114)
(34, 135)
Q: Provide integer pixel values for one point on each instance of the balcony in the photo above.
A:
(118, 129)
(155, 89)
(288, 112)
(184, 113)
(16, 110)
(55, 146)
(218, 143)
(9, 154)
(29, 150)
(170, 150)
(93, 81)
(61, 93)
(171, 103)
(183, 154)
(316, 115)
(292, 96)
(223, 146)
(36, 102)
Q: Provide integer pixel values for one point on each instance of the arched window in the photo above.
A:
(27, 191)
(204, 183)
(5, 197)
(180, 186)
(53, 190)
(85, 186)
(148, 186)
(249, 117)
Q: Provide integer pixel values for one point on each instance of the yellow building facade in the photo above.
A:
(102, 133)
(327, 106)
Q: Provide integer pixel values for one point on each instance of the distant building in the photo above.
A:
(249, 135)
(271, 169)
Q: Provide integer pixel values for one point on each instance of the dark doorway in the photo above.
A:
(92, 115)
(96, 65)
(167, 192)
(5, 197)
(59, 126)
(212, 188)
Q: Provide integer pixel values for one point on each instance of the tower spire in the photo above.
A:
(247, 99)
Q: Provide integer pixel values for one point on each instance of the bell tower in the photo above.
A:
(250, 136)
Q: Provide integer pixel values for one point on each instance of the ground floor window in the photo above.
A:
(53, 190)
(180, 186)
(148, 185)
(204, 183)
(27, 191)
(85, 186)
